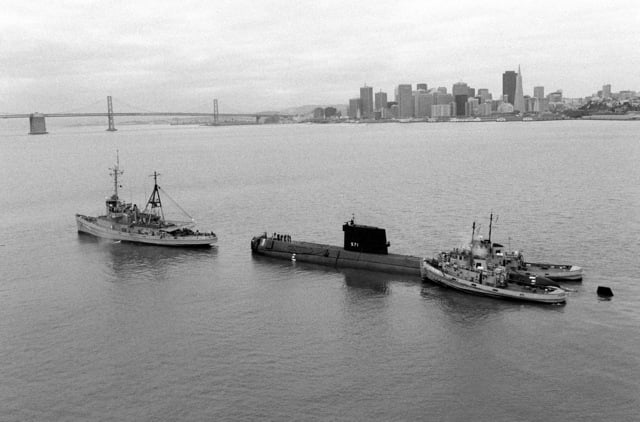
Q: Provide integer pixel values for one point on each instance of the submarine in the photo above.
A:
(365, 247)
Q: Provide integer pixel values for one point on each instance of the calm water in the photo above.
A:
(94, 330)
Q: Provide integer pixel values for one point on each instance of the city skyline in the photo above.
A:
(277, 54)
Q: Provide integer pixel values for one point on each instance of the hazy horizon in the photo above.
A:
(273, 55)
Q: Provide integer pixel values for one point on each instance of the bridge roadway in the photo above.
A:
(167, 113)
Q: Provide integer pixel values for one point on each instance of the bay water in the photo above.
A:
(97, 330)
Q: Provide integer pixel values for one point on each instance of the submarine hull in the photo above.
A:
(335, 256)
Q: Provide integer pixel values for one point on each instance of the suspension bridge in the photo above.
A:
(37, 121)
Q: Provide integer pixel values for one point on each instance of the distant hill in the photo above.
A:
(307, 109)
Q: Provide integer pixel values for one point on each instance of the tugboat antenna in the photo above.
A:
(490, 223)
(115, 172)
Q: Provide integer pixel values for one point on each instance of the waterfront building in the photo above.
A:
(366, 102)
(460, 92)
(541, 105)
(484, 95)
(555, 97)
(606, 91)
(484, 109)
(460, 88)
(518, 104)
(473, 106)
(423, 103)
(395, 110)
(528, 104)
(626, 95)
(404, 97)
(505, 108)
(509, 85)
(440, 110)
(538, 92)
(354, 108)
(443, 98)
(380, 101)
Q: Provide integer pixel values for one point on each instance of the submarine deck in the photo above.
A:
(336, 256)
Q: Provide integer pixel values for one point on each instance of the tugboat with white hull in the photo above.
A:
(123, 221)
(480, 270)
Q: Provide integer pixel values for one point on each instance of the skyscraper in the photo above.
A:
(484, 94)
(460, 94)
(538, 92)
(606, 91)
(405, 101)
(509, 85)
(354, 107)
(423, 103)
(518, 104)
(366, 102)
(380, 101)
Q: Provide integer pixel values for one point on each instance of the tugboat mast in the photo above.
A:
(154, 200)
(490, 223)
(115, 172)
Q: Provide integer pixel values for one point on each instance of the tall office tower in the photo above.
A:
(538, 92)
(509, 85)
(354, 106)
(423, 103)
(380, 101)
(460, 95)
(518, 104)
(460, 88)
(606, 91)
(366, 102)
(473, 105)
(484, 95)
(442, 89)
(421, 87)
(445, 98)
(405, 101)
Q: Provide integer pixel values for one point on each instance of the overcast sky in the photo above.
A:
(59, 56)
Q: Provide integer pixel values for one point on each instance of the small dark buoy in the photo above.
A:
(604, 291)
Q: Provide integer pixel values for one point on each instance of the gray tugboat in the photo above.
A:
(365, 247)
(123, 221)
(483, 269)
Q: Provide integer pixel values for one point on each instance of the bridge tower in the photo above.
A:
(112, 127)
(37, 124)
(215, 111)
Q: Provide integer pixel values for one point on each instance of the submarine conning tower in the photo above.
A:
(360, 238)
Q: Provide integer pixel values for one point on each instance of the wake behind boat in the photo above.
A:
(125, 222)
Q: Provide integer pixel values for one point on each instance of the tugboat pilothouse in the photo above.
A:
(123, 221)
